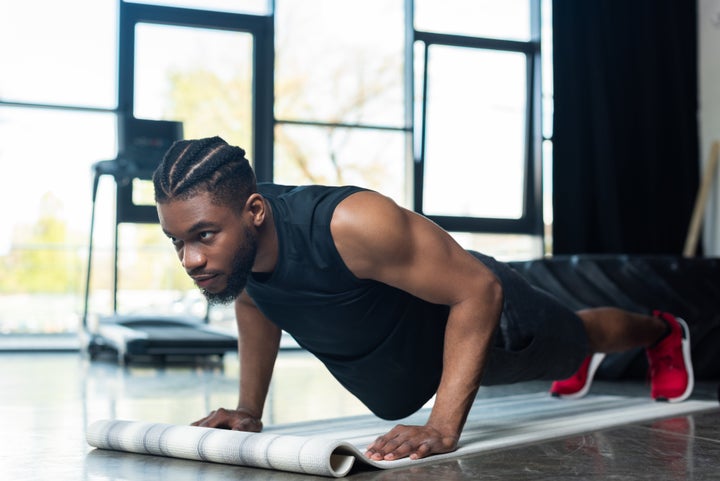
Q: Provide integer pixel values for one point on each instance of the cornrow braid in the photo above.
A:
(204, 165)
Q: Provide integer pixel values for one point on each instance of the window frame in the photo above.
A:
(531, 221)
(261, 27)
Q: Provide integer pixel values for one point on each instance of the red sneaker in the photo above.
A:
(579, 383)
(671, 371)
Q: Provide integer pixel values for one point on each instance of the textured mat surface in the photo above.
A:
(332, 447)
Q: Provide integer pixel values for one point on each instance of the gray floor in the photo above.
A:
(49, 398)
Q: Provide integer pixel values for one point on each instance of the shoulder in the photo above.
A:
(369, 228)
(366, 211)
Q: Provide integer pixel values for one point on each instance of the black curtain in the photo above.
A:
(625, 142)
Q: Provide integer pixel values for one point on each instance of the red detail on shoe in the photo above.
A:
(579, 383)
(671, 371)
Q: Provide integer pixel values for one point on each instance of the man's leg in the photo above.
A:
(615, 330)
(665, 337)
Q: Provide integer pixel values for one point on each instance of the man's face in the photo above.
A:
(214, 243)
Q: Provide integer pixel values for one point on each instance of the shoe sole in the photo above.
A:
(687, 358)
(595, 362)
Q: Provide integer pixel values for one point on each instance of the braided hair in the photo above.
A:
(211, 165)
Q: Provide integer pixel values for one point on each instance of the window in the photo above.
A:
(477, 124)
(339, 94)
(317, 91)
(57, 94)
(51, 54)
(475, 133)
(200, 68)
(255, 7)
(199, 76)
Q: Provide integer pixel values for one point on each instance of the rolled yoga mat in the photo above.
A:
(332, 447)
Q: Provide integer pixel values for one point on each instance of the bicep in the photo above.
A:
(382, 241)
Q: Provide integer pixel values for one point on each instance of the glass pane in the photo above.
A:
(340, 62)
(202, 77)
(150, 276)
(340, 156)
(256, 7)
(46, 159)
(508, 19)
(59, 53)
(475, 133)
(504, 247)
(143, 192)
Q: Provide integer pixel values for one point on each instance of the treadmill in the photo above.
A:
(138, 337)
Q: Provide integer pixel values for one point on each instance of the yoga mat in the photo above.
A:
(332, 447)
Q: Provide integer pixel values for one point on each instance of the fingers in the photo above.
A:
(393, 445)
(415, 442)
(203, 421)
(237, 420)
(216, 419)
(422, 451)
(389, 449)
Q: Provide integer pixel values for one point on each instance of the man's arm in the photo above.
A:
(258, 344)
(379, 240)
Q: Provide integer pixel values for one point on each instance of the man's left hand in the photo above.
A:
(411, 441)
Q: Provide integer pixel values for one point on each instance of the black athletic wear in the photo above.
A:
(384, 345)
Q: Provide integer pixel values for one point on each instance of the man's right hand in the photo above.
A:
(235, 419)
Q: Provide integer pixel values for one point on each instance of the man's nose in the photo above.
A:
(192, 258)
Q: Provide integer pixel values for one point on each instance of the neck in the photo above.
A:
(267, 252)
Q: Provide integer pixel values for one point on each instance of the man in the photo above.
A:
(388, 301)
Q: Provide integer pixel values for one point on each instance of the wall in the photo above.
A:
(709, 114)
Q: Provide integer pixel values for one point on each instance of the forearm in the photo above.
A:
(467, 338)
(258, 344)
(256, 368)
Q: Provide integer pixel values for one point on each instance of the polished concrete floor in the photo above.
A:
(47, 399)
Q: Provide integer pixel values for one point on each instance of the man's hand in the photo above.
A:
(413, 441)
(235, 419)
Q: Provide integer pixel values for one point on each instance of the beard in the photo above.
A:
(240, 269)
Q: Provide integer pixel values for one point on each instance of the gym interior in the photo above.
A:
(577, 141)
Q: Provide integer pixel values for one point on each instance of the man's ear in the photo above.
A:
(255, 206)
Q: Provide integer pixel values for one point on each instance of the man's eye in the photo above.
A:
(206, 235)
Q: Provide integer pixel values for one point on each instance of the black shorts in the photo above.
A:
(537, 338)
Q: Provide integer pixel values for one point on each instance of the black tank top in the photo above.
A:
(382, 344)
